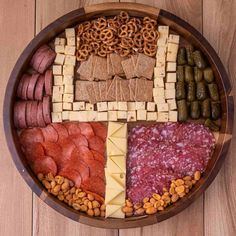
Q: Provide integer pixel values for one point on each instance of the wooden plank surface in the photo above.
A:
(214, 214)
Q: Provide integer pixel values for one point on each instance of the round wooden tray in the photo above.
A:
(110, 9)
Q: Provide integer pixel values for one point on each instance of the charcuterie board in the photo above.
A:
(118, 115)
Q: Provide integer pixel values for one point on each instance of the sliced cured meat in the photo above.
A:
(72, 127)
(94, 184)
(79, 140)
(71, 174)
(34, 110)
(33, 152)
(84, 153)
(96, 168)
(96, 144)
(48, 82)
(29, 136)
(99, 157)
(99, 130)
(40, 118)
(47, 109)
(39, 89)
(28, 114)
(53, 150)
(47, 61)
(50, 134)
(20, 85)
(20, 115)
(44, 165)
(67, 147)
(25, 86)
(86, 130)
(61, 130)
(31, 86)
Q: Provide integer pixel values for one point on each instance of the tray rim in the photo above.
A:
(49, 32)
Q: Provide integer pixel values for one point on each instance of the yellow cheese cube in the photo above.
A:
(112, 106)
(172, 104)
(68, 70)
(60, 41)
(169, 93)
(162, 107)
(60, 49)
(92, 115)
(56, 97)
(112, 115)
(162, 116)
(140, 105)
(71, 41)
(68, 97)
(161, 52)
(67, 106)
(89, 107)
(78, 106)
(70, 50)
(58, 80)
(141, 115)
(163, 30)
(78, 116)
(57, 106)
(173, 116)
(70, 32)
(58, 89)
(56, 117)
(131, 116)
(151, 106)
(131, 106)
(171, 66)
(160, 63)
(57, 69)
(171, 77)
(65, 115)
(158, 92)
(69, 89)
(173, 39)
(151, 116)
(172, 51)
(70, 60)
(60, 58)
(159, 100)
(159, 71)
(170, 85)
(159, 82)
(68, 79)
(102, 116)
(122, 106)
(122, 114)
(102, 106)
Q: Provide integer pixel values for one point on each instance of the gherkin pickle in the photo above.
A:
(206, 108)
(199, 60)
(191, 90)
(181, 56)
(182, 110)
(208, 75)
(215, 110)
(188, 71)
(201, 91)
(195, 110)
(198, 74)
(213, 91)
(180, 73)
(189, 52)
(211, 125)
(180, 91)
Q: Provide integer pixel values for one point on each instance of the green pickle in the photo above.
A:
(188, 71)
(180, 91)
(199, 60)
(181, 56)
(206, 108)
(215, 110)
(201, 91)
(198, 74)
(211, 125)
(213, 91)
(195, 110)
(208, 75)
(180, 74)
(189, 53)
(182, 110)
(191, 90)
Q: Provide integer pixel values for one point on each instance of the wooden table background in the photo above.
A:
(23, 214)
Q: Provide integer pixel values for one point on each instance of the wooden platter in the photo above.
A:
(110, 9)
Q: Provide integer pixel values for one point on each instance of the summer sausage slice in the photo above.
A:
(25, 86)
(48, 82)
(20, 85)
(20, 115)
(34, 110)
(47, 61)
(28, 114)
(47, 109)
(99, 157)
(31, 86)
(39, 89)
(40, 117)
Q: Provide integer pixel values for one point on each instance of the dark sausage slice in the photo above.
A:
(20, 115)
(25, 87)
(40, 119)
(31, 86)
(29, 136)
(20, 85)
(34, 110)
(48, 82)
(46, 109)
(28, 114)
(47, 61)
(39, 89)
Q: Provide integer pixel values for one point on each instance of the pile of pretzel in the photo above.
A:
(121, 34)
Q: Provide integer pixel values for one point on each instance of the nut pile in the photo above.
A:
(178, 189)
(121, 34)
(65, 191)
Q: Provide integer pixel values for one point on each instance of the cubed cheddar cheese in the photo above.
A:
(173, 116)
(158, 92)
(57, 97)
(162, 116)
(60, 41)
(169, 93)
(112, 115)
(67, 106)
(58, 89)
(163, 30)
(68, 70)
(162, 107)
(122, 106)
(172, 104)
(68, 79)
(140, 105)
(141, 115)
(60, 58)
(57, 106)
(131, 116)
(160, 64)
(70, 50)
(172, 52)
(159, 71)
(69, 89)
(173, 38)
(60, 49)
(102, 106)
(56, 117)
(170, 85)
(171, 77)
(92, 115)
(78, 106)
(68, 97)
(78, 116)
(65, 115)
(57, 69)
(70, 32)
(159, 82)
(159, 100)
(102, 116)
(89, 107)
(131, 106)
(70, 60)
(112, 106)
(71, 41)
(122, 114)
(171, 66)
(58, 80)
(151, 116)
(151, 106)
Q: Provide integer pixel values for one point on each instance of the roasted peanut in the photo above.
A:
(152, 200)
(129, 214)
(90, 212)
(160, 208)
(81, 194)
(156, 196)
(194, 181)
(180, 189)
(90, 205)
(172, 190)
(68, 197)
(147, 205)
(151, 210)
(174, 197)
(157, 204)
(179, 182)
(57, 188)
(86, 201)
(146, 199)
(182, 194)
(103, 207)
(59, 179)
(126, 209)
(65, 186)
(83, 208)
(165, 189)
(128, 203)
(95, 204)
(197, 175)
(96, 211)
(90, 197)
(189, 178)
(49, 177)
(60, 197)
(137, 205)
(46, 184)
(140, 211)
(76, 206)
(70, 202)
(72, 190)
(102, 213)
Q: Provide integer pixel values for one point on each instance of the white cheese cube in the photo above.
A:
(71, 41)
(70, 50)
(57, 97)
(159, 71)
(169, 93)
(151, 116)
(57, 106)
(60, 58)
(159, 82)
(60, 41)
(58, 80)
(78, 106)
(151, 106)
(70, 32)
(102, 106)
(68, 97)
(162, 107)
(161, 52)
(89, 107)
(68, 70)
(70, 60)
(158, 100)
(56, 117)
(131, 116)
(65, 115)
(57, 69)
(112, 106)
(160, 63)
(58, 89)
(171, 77)
(131, 106)
(171, 66)
(59, 48)
(83, 116)
(122, 106)
(158, 92)
(173, 39)
(102, 116)
(170, 85)
(173, 116)
(67, 106)
(122, 115)
(172, 104)
(112, 115)
(163, 30)
(141, 115)
(140, 105)
(172, 51)
(68, 79)
(69, 89)
(162, 116)
(78, 116)
(92, 115)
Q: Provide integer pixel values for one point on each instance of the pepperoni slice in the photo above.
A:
(94, 184)
(29, 136)
(71, 174)
(48, 82)
(44, 165)
(40, 119)
(96, 144)
(31, 86)
(99, 157)
(100, 130)
(86, 130)
(50, 134)
(96, 168)
(72, 128)
(61, 130)
(33, 152)
(39, 89)
(46, 109)
(84, 153)
(79, 140)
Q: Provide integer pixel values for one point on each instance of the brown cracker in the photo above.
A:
(125, 91)
(143, 90)
(116, 64)
(128, 68)
(86, 69)
(91, 94)
(81, 90)
(110, 71)
(100, 68)
(132, 88)
(111, 90)
(103, 90)
(96, 91)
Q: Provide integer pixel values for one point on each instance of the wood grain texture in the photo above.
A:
(15, 195)
(220, 200)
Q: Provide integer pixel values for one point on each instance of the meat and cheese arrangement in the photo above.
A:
(116, 116)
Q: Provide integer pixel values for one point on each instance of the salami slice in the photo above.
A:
(61, 130)
(99, 157)
(15, 114)
(96, 144)
(94, 184)
(67, 147)
(52, 149)
(39, 89)
(25, 86)
(84, 153)
(40, 118)
(47, 61)
(86, 130)
(31, 86)
(100, 130)
(33, 152)
(29, 136)
(28, 114)
(34, 110)
(72, 128)
(96, 168)
(71, 174)
(20, 115)
(47, 109)
(48, 82)
(79, 140)
(50, 134)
